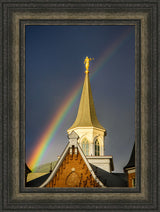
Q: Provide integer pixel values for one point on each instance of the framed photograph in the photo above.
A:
(61, 62)
(53, 99)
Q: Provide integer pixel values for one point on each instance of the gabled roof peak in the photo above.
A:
(73, 138)
(70, 151)
(73, 135)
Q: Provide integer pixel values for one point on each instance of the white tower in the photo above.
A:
(90, 131)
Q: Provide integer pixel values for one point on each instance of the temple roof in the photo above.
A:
(37, 181)
(27, 169)
(131, 162)
(110, 179)
(102, 178)
(86, 116)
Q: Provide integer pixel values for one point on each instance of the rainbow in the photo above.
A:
(49, 133)
(53, 127)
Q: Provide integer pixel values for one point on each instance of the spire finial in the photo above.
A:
(86, 62)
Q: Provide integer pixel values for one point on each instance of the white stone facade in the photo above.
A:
(91, 134)
(103, 162)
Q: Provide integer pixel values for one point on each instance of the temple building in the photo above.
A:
(131, 170)
(91, 133)
(83, 163)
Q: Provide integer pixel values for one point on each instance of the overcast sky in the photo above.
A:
(55, 65)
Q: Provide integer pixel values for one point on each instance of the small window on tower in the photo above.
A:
(97, 148)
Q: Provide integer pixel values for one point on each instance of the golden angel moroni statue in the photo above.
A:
(86, 62)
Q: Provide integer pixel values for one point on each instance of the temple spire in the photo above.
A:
(86, 116)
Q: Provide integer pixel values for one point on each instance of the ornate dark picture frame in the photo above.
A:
(15, 15)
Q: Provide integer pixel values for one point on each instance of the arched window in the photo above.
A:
(97, 148)
(85, 146)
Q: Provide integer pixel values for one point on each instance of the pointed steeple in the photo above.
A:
(86, 116)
